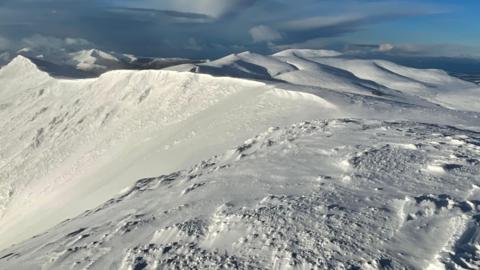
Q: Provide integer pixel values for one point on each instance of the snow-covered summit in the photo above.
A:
(308, 53)
(18, 74)
(21, 65)
(95, 60)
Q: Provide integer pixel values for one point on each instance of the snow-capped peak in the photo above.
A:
(94, 59)
(101, 54)
(21, 64)
(92, 55)
(308, 53)
(18, 74)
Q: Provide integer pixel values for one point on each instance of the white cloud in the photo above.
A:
(77, 42)
(448, 50)
(386, 47)
(192, 44)
(212, 8)
(263, 33)
(416, 49)
(48, 43)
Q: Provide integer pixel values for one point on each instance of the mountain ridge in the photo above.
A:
(69, 145)
(87, 63)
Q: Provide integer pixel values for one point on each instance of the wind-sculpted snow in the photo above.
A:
(79, 142)
(329, 70)
(345, 194)
(339, 194)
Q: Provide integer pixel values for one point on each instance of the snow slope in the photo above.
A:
(325, 197)
(92, 138)
(326, 69)
(69, 145)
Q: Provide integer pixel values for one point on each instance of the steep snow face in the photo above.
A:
(340, 194)
(68, 145)
(18, 76)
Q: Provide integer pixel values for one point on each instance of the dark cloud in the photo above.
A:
(211, 8)
(201, 28)
(152, 14)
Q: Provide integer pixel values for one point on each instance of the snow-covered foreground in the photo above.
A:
(69, 145)
(367, 193)
(341, 194)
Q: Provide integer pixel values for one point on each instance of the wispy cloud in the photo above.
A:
(45, 44)
(212, 8)
(319, 22)
(217, 27)
(448, 50)
(48, 43)
(263, 33)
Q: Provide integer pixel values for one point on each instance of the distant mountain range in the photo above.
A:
(89, 63)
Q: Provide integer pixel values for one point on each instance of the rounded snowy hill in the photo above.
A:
(327, 69)
(392, 184)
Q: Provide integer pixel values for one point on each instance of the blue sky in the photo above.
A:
(212, 28)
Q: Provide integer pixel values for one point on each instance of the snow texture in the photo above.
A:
(364, 164)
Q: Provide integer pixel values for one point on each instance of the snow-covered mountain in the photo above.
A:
(365, 77)
(89, 62)
(392, 184)
(96, 60)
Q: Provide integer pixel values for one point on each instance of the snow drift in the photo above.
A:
(69, 145)
(317, 195)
